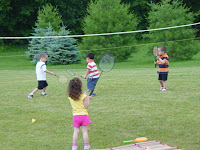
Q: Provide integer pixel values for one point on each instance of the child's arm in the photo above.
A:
(87, 101)
(162, 61)
(85, 76)
(49, 72)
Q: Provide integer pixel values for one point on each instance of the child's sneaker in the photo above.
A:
(93, 94)
(74, 147)
(86, 147)
(30, 96)
(44, 94)
(163, 90)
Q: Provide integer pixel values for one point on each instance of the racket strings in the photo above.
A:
(155, 51)
(106, 63)
(71, 72)
(62, 79)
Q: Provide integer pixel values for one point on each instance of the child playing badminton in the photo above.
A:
(92, 72)
(80, 103)
(41, 75)
(163, 63)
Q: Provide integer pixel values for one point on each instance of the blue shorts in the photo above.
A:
(91, 83)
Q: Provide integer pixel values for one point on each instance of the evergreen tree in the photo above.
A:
(39, 45)
(63, 50)
(172, 13)
(49, 14)
(60, 50)
(105, 16)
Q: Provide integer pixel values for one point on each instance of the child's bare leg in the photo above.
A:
(85, 134)
(161, 83)
(75, 135)
(164, 84)
(44, 89)
(34, 91)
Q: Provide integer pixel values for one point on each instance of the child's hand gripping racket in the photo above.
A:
(155, 53)
(61, 78)
(140, 139)
(105, 64)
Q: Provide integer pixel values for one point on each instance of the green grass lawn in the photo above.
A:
(128, 105)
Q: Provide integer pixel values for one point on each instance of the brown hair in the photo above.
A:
(43, 55)
(75, 88)
(162, 48)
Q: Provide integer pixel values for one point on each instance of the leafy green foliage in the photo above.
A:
(17, 17)
(49, 15)
(140, 9)
(172, 13)
(73, 13)
(60, 50)
(105, 16)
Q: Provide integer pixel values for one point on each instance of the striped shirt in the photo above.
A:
(91, 66)
(163, 68)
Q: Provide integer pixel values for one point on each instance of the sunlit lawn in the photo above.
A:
(128, 105)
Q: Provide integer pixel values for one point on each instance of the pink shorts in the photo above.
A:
(81, 120)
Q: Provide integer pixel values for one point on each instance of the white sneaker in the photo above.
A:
(74, 147)
(30, 96)
(43, 94)
(163, 90)
(86, 147)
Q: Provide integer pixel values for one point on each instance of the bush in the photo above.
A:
(172, 13)
(105, 16)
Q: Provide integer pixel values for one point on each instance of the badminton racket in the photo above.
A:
(72, 73)
(106, 63)
(62, 78)
(155, 53)
(140, 139)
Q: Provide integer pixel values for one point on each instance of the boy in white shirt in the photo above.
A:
(41, 75)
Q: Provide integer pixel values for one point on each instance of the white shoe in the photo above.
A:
(163, 90)
(86, 147)
(74, 147)
(43, 94)
(30, 96)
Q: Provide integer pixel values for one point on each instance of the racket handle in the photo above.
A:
(128, 141)
(155, 61)
(91, 92)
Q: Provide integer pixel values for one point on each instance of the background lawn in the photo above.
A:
(128, 105)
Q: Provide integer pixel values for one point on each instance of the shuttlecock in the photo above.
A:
(33, 120)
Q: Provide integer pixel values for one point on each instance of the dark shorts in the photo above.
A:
(91, 83)
(42, 84)
(162, 77)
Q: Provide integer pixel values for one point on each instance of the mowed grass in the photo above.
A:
(128, 105)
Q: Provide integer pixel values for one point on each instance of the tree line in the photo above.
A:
(17, 18)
